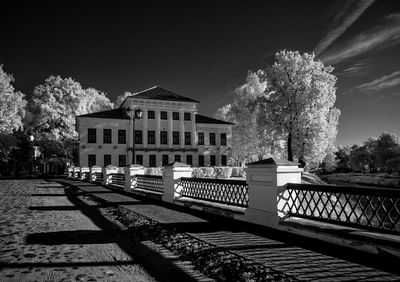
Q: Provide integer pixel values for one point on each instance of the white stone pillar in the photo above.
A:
(77, 170)
(94, 169)
(107, 171)
(171, 177)
(132, 170)
(181, 129)
(265, 178)
(170, 129)
(145, 128)
(157, 129)
(84, 169)
(71, 172)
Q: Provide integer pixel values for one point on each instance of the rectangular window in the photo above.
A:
(200, 140)
(186, 116)
(212, 160)
(121, 136)
(107, 136)
(107, 160)
(139, 159)
(165, 159)
(187, 138)
(164, 115)
(189, 159)
(138, 137)
(201, 160)
(175, 138)
(212, 139)
(151, 137)
(163, 137)
(223, 160)
(151, 115)
(152, 160)
(91, 135)
(122, 160)
(175, 115)
(177, 158)
(92, 160)
(223, 139)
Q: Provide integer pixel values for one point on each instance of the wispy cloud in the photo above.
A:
(381, 36)
(344, 18)
(357, 69)
(383, 82)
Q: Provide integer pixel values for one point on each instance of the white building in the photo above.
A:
(170, 129)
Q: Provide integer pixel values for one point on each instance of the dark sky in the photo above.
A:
(204, 49)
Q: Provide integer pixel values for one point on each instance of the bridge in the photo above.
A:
(305, 232)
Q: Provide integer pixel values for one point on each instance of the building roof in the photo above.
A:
(119, 113)
(204, 119)
(159, 93)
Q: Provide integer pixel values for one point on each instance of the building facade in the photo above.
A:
(153, 127)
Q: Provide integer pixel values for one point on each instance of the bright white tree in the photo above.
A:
(95, 101)
(56, 102)
(121, 98)
(53, 108)
(250, 141)
(299, 103)
(12, 104)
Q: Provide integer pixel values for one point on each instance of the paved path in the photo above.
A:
(48, 235)
(288, 256)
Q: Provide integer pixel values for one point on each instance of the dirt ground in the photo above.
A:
(45, 235)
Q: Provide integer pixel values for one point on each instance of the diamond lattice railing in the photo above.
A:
(85, 176)
(98, 177)
(373, 208)
(152, 183)
(117, 179)
(231, 192)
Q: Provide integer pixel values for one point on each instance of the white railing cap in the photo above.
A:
(111, 167)
(272, 161)
(177, 164)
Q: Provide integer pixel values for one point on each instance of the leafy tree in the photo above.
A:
(250, 142)
(299, 103)
(121, 98)
(386, 148)
(12, 104)
(371, 153)
(12, 111)
(343, 159)
(53, 107)
(95, 101)
(329, 163)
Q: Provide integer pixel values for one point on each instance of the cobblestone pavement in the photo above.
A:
(46, 237)
(283, 255)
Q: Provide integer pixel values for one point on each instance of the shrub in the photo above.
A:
(153, 171)
(208, 172)
(203, 172)
(197, 172)
(223, 171)
(238, 172)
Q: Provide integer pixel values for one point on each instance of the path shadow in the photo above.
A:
(76, 237)
(282, 253)
(161, 267)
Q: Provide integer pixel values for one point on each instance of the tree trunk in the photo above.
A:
(289, 148)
